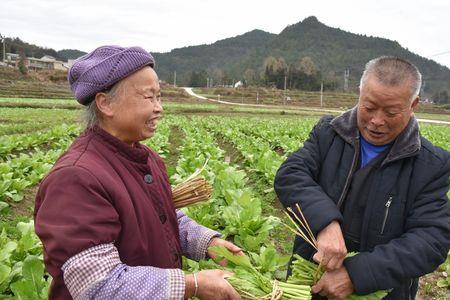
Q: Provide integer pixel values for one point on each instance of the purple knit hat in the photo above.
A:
(106, 65)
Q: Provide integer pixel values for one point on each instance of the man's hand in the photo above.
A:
(211, 285)
(335, 285)
(228, 245)
(331, 247)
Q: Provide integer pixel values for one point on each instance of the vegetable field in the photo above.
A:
(244, 150)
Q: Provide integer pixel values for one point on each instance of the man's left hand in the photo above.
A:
(335, 285)
(228, 245)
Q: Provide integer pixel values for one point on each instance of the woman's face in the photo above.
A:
(136, 109)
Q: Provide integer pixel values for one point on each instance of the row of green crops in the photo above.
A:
(235, 210)
(22, 170)
(286, 135)
(257, 152)
(27, 120)
(38, 115)
(38, 101)
(11, 144)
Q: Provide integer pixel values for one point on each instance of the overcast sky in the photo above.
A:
(421, 26)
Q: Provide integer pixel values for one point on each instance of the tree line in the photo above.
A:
(274, 72)
(441, 97)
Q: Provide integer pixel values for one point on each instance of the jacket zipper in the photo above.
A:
(347, 181)
(386, 213)
(409, 290)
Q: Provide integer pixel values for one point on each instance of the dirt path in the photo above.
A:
(25, 207)
(175, 140)
(191, 92)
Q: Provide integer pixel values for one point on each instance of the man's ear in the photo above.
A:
(415, 103)
(104, 104)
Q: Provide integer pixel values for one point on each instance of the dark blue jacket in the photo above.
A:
(399, 243)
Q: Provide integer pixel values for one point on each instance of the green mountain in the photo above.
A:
(331, 49)
(230, 55)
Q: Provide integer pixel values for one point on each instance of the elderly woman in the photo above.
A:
(104, 213)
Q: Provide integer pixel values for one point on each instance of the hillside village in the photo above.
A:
(46, 62)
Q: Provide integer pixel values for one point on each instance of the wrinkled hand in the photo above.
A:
(334, 285)
(331, 247)
(211, 285)
(230, 246)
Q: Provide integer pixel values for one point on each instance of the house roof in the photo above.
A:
(48, 58)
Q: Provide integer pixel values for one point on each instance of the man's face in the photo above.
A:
(383, 112)
(137, 109)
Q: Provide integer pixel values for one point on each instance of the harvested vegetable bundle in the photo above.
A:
(252, 285)
(194, 189)
(308, 273)
(305, 272)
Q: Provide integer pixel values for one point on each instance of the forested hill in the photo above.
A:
(16, 45)
(332, 50)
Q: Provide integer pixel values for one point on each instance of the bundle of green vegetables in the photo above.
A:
(253, 285)
(305, 272)
(308, 273)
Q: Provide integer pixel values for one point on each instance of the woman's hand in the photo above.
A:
(212, 284)
(228, 245)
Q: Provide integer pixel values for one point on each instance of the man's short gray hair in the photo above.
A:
(92, 114)
(393, 71)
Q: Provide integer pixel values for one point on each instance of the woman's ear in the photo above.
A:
(104, 104)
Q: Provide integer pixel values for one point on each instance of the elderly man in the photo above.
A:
(105, 213)
(368, 182)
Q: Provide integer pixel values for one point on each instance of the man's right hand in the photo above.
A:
(331, 247)
(211, 285)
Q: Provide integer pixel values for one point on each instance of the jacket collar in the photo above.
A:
(137, 153)
(346, 126)
(406, 144)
